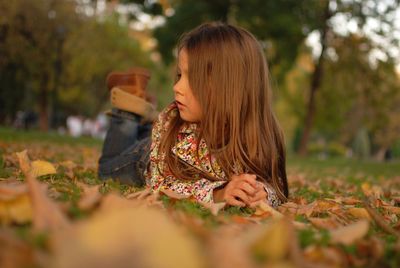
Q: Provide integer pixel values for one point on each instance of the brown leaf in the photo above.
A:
(15, 252)
(266, 210)
(69, 168)
(214, 207)
(91, 196)
(127, 237)
(227, 249)
(273, 242)
(349, 234)
(46, 214)
(324, 223)
(10, 190)
(359, 213)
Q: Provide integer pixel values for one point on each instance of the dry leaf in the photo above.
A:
(359, 213)
(273, 241)
(264, 208)
(46, 214)
(392, 209)
(127, 237)
(324, 223)
(227, 249)
(91, 196)
(15, 252)
(10, 190)
(41, 168)
(18, 210)
(214, 207)
(349, 234)
(69, 168)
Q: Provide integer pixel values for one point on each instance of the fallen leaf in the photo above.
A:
(273, 241)
(392, 209)
(16, 210)
(359, 213)
(264, 209)
(46, 214)
(214, 207)
(127, 237)
(91, 196)
(10, 190)
(324, 223)
(41, 168)
(69, 168)
(15, 252)
(349, 234)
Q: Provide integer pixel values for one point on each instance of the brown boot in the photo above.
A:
(134, 81)
(128, 92)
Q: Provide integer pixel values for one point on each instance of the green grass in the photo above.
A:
(344, 167)
(13, 135)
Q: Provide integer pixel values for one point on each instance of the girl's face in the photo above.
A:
(189, 107)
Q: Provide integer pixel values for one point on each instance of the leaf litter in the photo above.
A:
(54, 212)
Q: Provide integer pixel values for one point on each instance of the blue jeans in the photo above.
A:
(126, 149)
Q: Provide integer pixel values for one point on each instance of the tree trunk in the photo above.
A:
(315, 85)
(43, 105)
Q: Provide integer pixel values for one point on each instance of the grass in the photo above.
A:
(13, 135)
(350, 171)
(344, 166)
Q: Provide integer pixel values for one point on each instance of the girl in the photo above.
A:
(218, 141)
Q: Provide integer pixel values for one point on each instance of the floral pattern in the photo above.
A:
(159, 177)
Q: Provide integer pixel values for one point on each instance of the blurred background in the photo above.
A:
(335, 64)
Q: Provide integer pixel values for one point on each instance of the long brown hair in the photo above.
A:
(228, 75)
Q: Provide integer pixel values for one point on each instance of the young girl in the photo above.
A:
(219, 141)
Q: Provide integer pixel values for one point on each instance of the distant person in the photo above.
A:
(218, 141)
(74, 126)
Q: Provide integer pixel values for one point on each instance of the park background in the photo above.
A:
(335, 75)
(332, 63)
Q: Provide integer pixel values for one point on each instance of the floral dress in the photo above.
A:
(159, 177)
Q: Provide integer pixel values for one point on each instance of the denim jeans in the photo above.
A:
(126, 149)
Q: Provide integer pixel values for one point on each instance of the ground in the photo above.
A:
(341, 213)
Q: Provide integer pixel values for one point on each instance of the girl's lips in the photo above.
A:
(179, 104)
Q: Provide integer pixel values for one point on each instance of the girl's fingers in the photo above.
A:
(234, 202)
(247, 188)
(241, 194)
(260, 195)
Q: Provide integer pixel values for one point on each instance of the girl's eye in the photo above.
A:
(178, 76)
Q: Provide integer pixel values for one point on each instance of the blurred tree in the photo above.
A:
(54, 58)
(282, 27)
(33, 33)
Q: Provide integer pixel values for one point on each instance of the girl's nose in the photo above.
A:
(177, 88)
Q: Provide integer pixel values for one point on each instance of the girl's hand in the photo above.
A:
(239, 191)
(259, 196)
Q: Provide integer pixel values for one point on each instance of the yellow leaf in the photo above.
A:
(127, 237)
(41, 168)
(264, 208)
(359, 213)
(349, 234)
(273, 243)
(18, 210)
